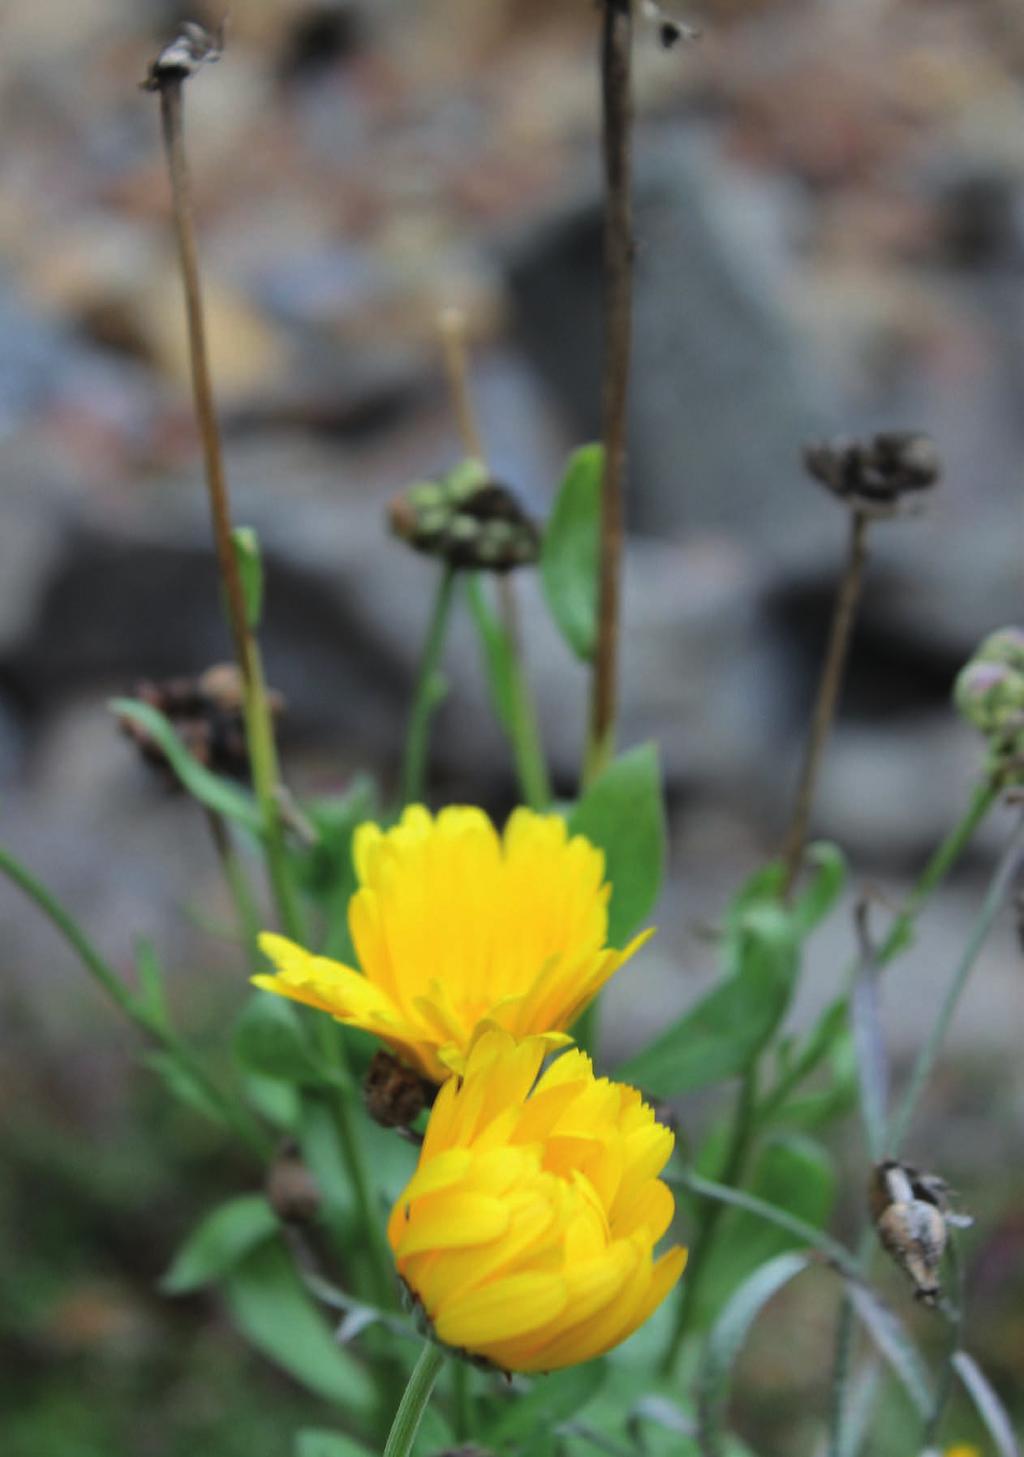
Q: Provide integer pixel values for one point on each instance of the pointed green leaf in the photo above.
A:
(219, 1242)
(793, 1174)
(719, 1036)
(729, 1334)
(570, 551)
(270, 1039)
(151, 1000)
(210, 790)
(276, 1313)
(622, 813)
(184, 1085)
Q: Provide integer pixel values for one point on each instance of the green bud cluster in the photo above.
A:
(989, 692)
(467, 520)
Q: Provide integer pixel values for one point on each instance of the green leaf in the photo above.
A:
(250, 568)
(210, 790)
(892, 1342)
(151, 1000)
(499, 661)
(987, 1403)
(828, 865)
(729, 1333)
(550, 1400)
(270, 1039)
(220, 1241)
(184, 1085)
(792, 1173)
(275, 1312)
(720, 1036)
(313, 1443)
(570, 551)
(622, 813)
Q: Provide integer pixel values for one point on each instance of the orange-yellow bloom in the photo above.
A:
(455, 926)
(963, 1449)
(528, 1229)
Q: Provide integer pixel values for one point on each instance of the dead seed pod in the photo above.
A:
(884, 475)
(912, 1214)
(208, 716)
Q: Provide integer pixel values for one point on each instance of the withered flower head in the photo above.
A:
(395, 1094)
(191, 48)
(466, 519)
(912, 1214)
(884, 475)
(207, 715)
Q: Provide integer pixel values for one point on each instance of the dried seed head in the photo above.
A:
(208, 716)
(912, 1214)
(467, 520)
(191, 48)
(293, 1192)
(395, 1094)
(884, 475)
(672, 30)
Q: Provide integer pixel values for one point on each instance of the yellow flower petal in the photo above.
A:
(455, 926)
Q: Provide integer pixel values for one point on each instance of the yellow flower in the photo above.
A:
(962, 1449)
(454, 926)
(527, 1231)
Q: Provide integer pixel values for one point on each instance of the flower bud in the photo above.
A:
(989, 693)
(395, 1095)
(467, 520)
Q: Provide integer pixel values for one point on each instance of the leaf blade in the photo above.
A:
(570, 552)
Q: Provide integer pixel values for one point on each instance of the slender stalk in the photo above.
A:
(999, 888)
(956, 1314)
(452, 324)
(259, 725)
(741, 1136)
(531, 768)
(617, 118)
(417, 741)
(414, 1401)
(843, 615)
(462, 1403)
(234, 1115)
(935, 872)
(236, 881)
(836, 1254)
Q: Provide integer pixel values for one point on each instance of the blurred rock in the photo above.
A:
(724, 390)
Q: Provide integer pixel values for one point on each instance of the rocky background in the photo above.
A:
(831, 238)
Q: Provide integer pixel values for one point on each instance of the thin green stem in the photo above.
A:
(414, 1401)
(999, 887)
(343, 1112)
(836, 1254)
(233, 1114)
(237, 882)
(934, 873)
(827, 700)
(462, 1402)
(259, 729)
(956, 1315)
(414, 761)
(531, 767)
(741, 1136)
